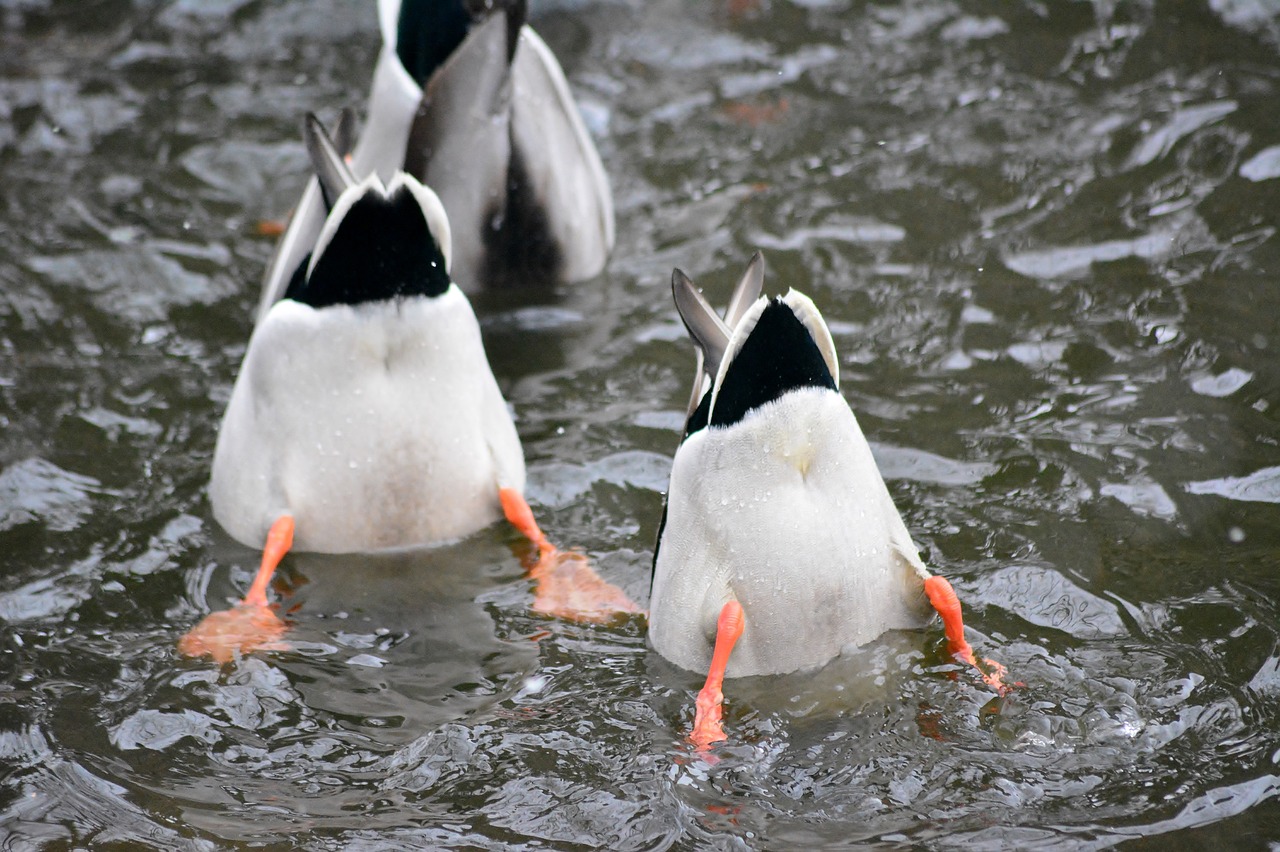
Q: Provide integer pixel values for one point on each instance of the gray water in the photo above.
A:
(1045, 237)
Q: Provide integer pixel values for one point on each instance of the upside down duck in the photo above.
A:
(780, 544)
(365, 415)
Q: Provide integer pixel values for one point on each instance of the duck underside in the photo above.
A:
(798, 527)
(794, 619)
(364, 482)
(376, 427)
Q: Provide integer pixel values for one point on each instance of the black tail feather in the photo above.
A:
(383, 249)
(778, 355)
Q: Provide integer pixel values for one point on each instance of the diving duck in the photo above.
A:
(780, 544)
(365, 415)
(469, 100)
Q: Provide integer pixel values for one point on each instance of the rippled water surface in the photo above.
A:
(1044, 234)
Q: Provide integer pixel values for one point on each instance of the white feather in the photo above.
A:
(376, 426)
(786, 512)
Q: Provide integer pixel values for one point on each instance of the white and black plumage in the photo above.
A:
(469, 100)
(365, 407)
(775, 500)
(779, 544)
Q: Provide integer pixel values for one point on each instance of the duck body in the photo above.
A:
(375, 426)
(776, 502)
(473, 104)
(365, 407)
(786, 513)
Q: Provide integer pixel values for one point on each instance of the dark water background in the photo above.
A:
(1044, 234)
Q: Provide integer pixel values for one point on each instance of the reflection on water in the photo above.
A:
(1045, 237)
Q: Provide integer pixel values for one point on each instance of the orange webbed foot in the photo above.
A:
(567, 586)
(945, 601)
(252, 624)
(234, 632)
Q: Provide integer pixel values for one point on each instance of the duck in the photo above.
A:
(468, 99)
(780, 544)
(365, 416)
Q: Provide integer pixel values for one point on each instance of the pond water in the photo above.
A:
(1045, 237)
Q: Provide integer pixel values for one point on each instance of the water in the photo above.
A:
(1044, 235)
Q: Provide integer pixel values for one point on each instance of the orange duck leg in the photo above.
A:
(252, 624)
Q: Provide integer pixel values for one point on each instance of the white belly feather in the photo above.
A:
(376, 426)
(786, 512)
